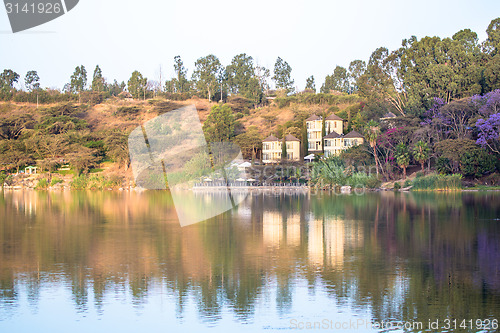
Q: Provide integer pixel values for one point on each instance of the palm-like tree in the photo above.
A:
(402, 157)
(372, 132)
(421, 152)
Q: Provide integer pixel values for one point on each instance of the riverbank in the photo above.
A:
(123, 182)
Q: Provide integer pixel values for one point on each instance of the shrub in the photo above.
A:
(373, 182)
(55, 181)
(9, 180)
(127, 110)
(42, 184)
(397, 186)
(3, 176)
(443, 165)
(407, 183)
(477, 162)
(79, 183)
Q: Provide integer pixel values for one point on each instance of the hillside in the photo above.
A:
(93, 138)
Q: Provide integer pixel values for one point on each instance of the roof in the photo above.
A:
(290, 137)
(353, 134)
(313, 117)
(309, 157)
(270, 138)
(333, 135)
(333, 116)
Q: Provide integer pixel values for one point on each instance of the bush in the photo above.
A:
(127, 110)
(79, 183)
(477, 163)
(55, 181)
(397, 186)
(9, 180)
(443, 165)
(42, 184)
(3, 176)
(407, 183)
(373, 182)
(438, 182)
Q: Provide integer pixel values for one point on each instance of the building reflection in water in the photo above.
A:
(387, 254)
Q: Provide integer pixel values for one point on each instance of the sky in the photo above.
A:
(312, 36)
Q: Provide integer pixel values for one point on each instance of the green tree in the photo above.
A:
(402, 157)
(82, 160)
(181, 85)
(219, 126)
(421, 152)
(263, 74)
(372, 132)
(493, 32)
(249, 141)
(7, 79)
(492, 73)
(116, 88)
(382, 82)
(477, 163)
(282, 75)
(338, 81)
(310, 84)
(283, 150)
(32, 81)
(447, 68)
(98, 82)
(305, 143)
(116, 145)
(239, 73)
(137, 85)
(78, 80)
(205, 75)
(356, 69)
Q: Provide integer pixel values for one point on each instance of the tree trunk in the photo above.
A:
(376, 160)
(404, 172)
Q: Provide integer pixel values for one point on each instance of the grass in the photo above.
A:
(94, 182)
(64, 172)
(438, 182)
(43, 184)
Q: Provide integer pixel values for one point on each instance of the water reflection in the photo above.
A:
(410, 257)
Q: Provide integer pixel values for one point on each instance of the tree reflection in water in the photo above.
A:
(415, 256)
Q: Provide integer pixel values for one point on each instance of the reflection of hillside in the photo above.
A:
(388, 252)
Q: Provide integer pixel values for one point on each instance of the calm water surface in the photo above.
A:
(100, 262)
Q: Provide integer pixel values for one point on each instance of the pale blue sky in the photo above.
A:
(312, 36)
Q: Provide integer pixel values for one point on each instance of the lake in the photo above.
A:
(120, 261)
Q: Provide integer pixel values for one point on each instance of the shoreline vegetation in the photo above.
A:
(432, 105)
(344, 182)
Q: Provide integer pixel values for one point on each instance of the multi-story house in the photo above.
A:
(314, 136)
(335, 143)
(333, 124)
(272, 149)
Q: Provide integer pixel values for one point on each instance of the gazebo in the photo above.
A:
(30, 170)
